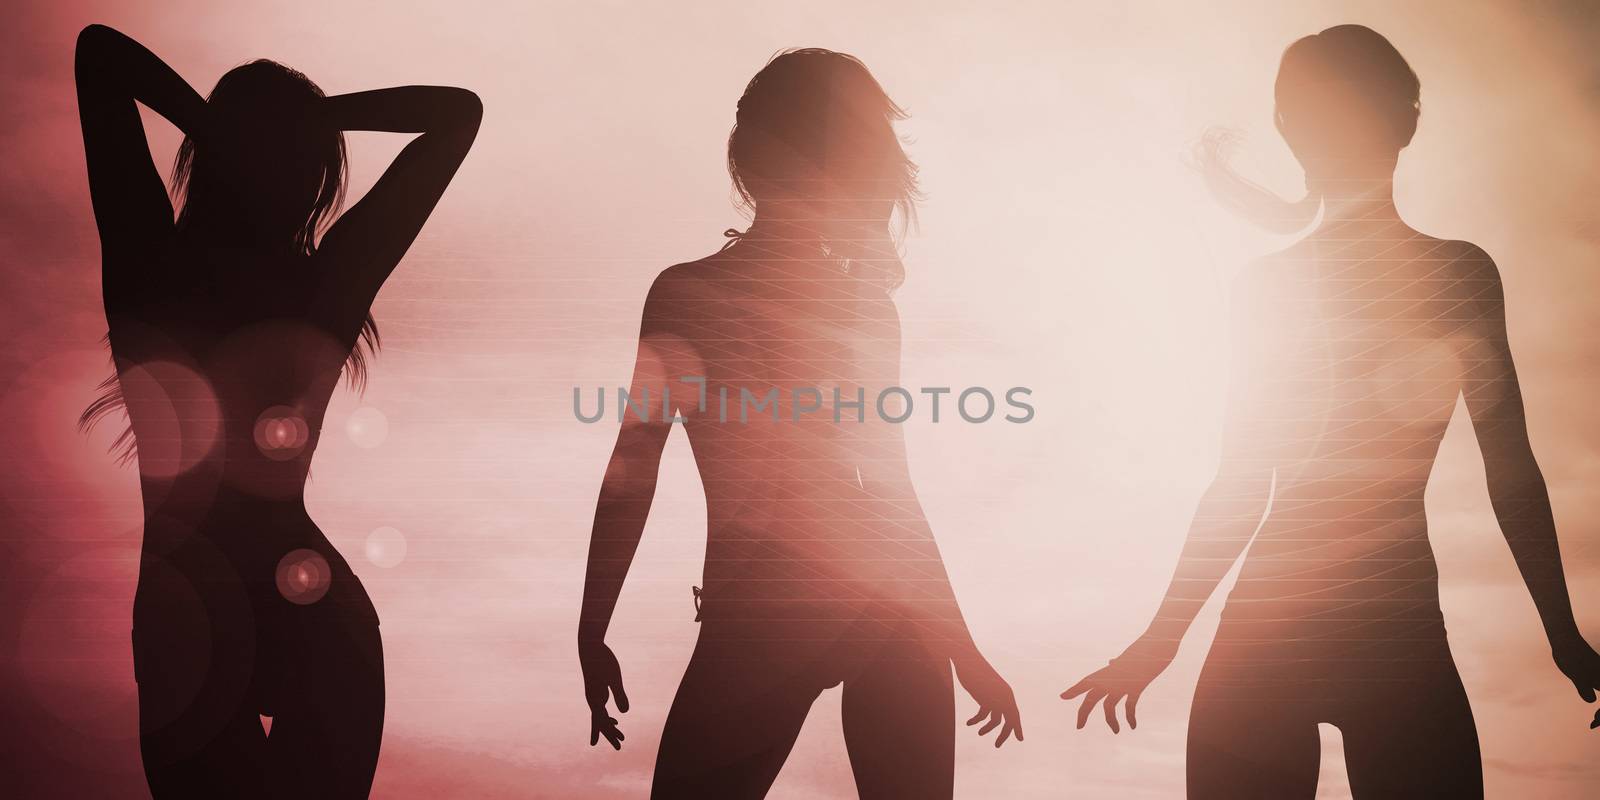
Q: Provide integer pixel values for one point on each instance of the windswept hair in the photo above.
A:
(281, 89)
(108, 401)
(1354, 55)
(814, 123)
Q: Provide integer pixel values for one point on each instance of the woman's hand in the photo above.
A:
(1126, 676)
(995, 699)
(1581, 664)
(602, 679)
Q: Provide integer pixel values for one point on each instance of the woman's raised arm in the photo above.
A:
(366, 243)
(114, 73)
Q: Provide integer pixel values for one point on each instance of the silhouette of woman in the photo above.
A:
(1352, 348)
(820, 567)
(229, 328)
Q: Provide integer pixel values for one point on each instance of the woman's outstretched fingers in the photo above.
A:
(1111, 712)
(618, 694)
(1133, 716)
(994, 722)
(1013, 727)
(1089, 701)
(1585, 692)
(604, 725)
(1077, 688)
(978, 717)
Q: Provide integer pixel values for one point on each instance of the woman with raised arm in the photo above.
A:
(229, 328)
(820, 567)
(1351, 350)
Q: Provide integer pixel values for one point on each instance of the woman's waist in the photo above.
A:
(820, 484)
(818, 510)
(245, 527)
(229, 490)
(1343, 645)
(1311, 543)
(212, 499)
(791, 607)
(1280, 608)
(261, 565)
(800, 559)
(824, 587)
(1353, 484)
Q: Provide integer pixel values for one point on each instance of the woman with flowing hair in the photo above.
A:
(230, 325)
(820, 566)
(1351, 350)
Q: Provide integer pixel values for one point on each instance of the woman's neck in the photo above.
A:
(1359, 200)
(795, 229)
(847, 239)
(815, 222)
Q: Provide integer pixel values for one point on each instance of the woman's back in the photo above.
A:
(780, 337)
(227, 360)
(1365, 335)
(796, 460)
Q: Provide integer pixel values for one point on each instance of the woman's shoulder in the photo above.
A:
(1468, 259)
(1457, 261)
(1472, 276)
(674, 289)
(1457, 257)
(693, 279)
(1450, 258)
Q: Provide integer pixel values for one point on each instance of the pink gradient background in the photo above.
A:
(1063, 246)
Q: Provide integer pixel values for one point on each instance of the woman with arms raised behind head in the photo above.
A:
(820, 567)
(229, 328)
(1352, 348)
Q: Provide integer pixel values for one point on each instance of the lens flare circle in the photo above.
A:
(303, 576)
(386, 547)
(70, 657)
(281, 433)
(180, 417)
(367, 427)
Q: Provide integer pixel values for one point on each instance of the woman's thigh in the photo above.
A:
(1247, 741)
(899, 725)
(327, 721)
(1414, 738)
(734, 720)
(194, 648)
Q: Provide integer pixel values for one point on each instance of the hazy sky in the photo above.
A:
(1063, 246)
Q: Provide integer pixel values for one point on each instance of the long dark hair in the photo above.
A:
(817, 118)
(251, 90)
(1354, 55)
